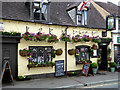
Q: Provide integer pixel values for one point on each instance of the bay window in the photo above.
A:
(40, 54)
(83, 53)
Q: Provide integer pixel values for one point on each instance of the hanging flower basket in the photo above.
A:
(94, 46)
(59, 52)
(71, 51)
(23, 53)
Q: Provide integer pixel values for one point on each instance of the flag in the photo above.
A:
(41, 4)
(85, 5)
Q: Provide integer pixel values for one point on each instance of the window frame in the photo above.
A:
(83, 46)
(42, 53)
(84, 17)
(119, 24)
(40, 16)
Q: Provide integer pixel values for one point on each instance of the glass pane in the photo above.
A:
(44, 12)
(87, 56)
(119, 24)
(36, 4)
(82, 49)
(85, 17)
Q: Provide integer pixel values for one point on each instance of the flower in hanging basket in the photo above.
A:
(65, 37)
(71, 51)
(76, 53)
(23, 52)
(77, 38)
(99, 61)
(59, 51)
(28, 36)
(86, 38)
(52, 38)
(53, 51)
(41, 36)
(94, 46)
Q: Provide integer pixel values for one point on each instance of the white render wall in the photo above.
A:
(114, 37)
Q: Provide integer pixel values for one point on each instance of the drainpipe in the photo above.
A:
(66, 53)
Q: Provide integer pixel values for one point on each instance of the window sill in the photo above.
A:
(39, 65)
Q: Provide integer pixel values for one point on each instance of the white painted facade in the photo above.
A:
(115, 34)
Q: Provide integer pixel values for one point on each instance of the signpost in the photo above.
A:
(87, 69)
(59, 68)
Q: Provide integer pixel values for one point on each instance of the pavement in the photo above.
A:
(66, 82)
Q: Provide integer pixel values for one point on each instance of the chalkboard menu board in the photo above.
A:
(85, 69)
(59, 68)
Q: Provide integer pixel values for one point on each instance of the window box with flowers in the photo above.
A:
(83, 62)
(71, 73)
(46, 64)
(59, 51)
(41, 56)
(65, 37)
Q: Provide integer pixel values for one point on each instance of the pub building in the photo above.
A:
(55, 38)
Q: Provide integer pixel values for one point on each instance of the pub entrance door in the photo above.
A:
(104, 63)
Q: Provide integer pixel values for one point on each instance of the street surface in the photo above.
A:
(108, 85)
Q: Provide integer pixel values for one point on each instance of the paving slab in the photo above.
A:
(66, 82)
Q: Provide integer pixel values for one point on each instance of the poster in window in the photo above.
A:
(94, 52)
(111, 22)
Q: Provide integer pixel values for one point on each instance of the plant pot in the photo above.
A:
(94, 47)
(59, 52)
(94, 70)
(112, 69)
(71, 52)
(23, 53)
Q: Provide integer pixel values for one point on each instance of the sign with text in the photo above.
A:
(59, 68)
(118, 39)
(111, 22)
(87, 69)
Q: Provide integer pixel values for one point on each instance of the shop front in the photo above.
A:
(41, 50)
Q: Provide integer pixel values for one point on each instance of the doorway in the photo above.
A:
(116, 52)
(104, 64)
(9, 53)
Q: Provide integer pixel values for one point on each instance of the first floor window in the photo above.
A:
(83, 53)
(40, 54)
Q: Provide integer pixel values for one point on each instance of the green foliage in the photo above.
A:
(41, 37)
(20, 77)
(65, 37)
(108, 51)
(113, 64)
(94, 65)
(53, 51)
(91, 53)
(52, 38)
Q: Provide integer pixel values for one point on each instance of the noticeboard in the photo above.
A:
(59, 68)
(85, 69)
(111, 22)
